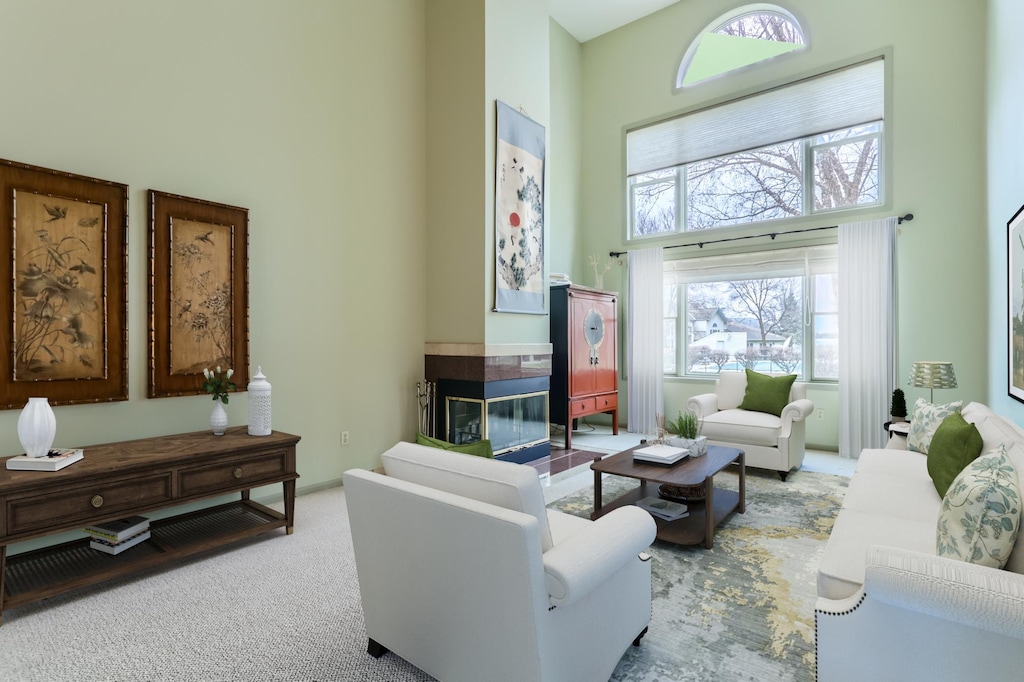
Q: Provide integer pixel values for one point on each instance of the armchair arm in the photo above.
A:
(798, 410)
(976, 596)
(703, 405)
(575, 566)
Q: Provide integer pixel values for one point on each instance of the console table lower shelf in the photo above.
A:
(49, 571)
(119, 480)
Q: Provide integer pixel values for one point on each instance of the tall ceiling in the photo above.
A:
(586, 19)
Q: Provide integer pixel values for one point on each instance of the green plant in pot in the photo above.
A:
(898, 407)
(687, 433)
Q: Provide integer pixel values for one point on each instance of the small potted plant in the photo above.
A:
(898, 407)
(687, 430)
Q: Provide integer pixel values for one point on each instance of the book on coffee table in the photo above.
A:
(660, 454)
(663, 509)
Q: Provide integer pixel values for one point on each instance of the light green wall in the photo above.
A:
(456, 197)
(518, 73)
(477, 53)
(1005, 181)
(936, 157)
(564, 168)
(310, 114)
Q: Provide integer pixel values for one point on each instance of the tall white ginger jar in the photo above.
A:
(37, 426)
(259, 404)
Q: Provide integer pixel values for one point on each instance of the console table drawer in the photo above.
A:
(228, 476)
(82, 505)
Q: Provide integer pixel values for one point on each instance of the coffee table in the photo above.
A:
(699, 526)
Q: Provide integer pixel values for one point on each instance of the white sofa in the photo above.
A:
(465, 574)
(769, 442)
(888, 608)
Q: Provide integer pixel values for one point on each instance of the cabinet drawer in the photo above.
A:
(76, 506)
(583, 406)
(229, 476)
(607, 402)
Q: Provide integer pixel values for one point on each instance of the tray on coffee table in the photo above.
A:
(699, 526)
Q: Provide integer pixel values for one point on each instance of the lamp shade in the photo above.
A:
(932, 375)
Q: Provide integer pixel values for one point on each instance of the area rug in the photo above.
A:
(743, 610)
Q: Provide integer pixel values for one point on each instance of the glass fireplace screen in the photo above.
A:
(510, 422)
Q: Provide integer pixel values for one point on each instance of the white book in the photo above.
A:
(118, 547)
(55, 460)
(118, 530)
(660, 454)
(662, 508)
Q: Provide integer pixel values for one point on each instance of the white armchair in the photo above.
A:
(769, 442)
(465, 574)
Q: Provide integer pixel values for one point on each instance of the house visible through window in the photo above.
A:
(770, 311)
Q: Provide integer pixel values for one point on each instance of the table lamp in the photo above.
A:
(932, 375)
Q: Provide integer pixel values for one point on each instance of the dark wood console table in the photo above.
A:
(117, 480)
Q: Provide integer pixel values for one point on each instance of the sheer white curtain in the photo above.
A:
(643, 339)
(867, 332)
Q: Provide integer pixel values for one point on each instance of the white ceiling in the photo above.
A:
(586, 19)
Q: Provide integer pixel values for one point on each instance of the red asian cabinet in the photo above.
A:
(584, 356)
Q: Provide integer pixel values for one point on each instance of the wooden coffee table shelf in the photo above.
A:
(123, 479)
(697, 528)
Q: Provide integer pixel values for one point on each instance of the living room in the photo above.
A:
(312, 114)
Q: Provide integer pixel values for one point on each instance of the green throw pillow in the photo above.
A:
(481, 448)
(979, 518)
(956, 444)
(767, 393)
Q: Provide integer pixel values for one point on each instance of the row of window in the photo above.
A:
(813, 175)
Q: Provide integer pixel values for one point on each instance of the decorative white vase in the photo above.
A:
(218, 419)
(259, 404)
(37, 426)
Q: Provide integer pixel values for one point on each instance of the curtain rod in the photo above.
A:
(899, 221)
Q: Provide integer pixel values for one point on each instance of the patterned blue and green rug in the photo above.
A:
(743, 610)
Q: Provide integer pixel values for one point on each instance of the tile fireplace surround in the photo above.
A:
(485, 372)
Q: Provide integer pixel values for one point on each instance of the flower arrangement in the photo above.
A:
(218, 383)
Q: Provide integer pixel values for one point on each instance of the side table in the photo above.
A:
(897, 428)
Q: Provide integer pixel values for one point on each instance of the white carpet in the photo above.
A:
(283, 608)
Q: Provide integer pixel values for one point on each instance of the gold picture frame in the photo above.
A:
(65, 332)
(198, 292)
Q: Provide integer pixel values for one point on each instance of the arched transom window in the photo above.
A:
(744, 36)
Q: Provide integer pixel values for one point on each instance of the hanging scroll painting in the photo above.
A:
(518, 214)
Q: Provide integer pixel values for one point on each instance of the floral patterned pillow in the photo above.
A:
(925, 420)
(980, 515)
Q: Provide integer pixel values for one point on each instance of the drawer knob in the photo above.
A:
(237, 472)
(97, 501)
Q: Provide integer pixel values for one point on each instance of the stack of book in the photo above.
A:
(113, 537)
(660, 454)
(663, 509)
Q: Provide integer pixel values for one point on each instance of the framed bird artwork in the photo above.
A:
(199, 292)
(64, 330)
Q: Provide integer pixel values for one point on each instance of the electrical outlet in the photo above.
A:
(819, 413)
(344, 437)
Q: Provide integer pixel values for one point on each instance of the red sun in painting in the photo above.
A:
(513, 219)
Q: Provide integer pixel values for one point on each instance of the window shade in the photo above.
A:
(809, 260)
(842, 98)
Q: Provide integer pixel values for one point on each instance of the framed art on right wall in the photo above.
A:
(1015, 299)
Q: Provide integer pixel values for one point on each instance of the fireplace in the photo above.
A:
(503, 398)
